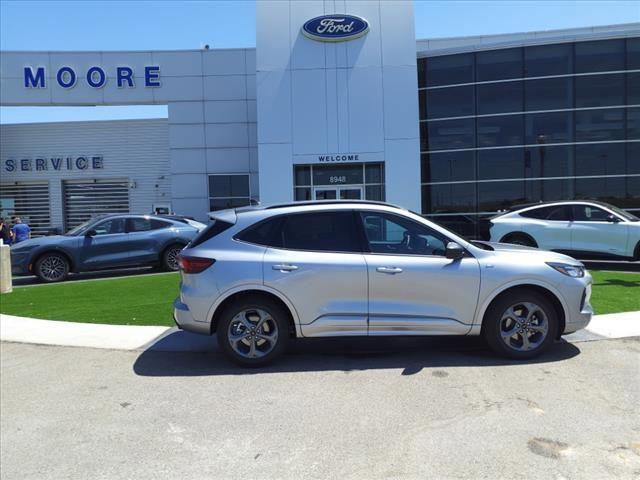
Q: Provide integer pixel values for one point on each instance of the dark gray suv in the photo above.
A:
(113, 241)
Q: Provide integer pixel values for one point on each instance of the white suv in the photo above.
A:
(258, 277)
(583, 229)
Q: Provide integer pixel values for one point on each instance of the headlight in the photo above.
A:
(574, 271)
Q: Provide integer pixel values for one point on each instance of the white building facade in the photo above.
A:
(327, 106)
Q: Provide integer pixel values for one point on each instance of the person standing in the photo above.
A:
(21, 231)
(5, 232)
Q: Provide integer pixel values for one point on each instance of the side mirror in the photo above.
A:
(454, 251)
(90, 233)
(612, 218)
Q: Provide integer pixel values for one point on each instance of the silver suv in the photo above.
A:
(258, 277)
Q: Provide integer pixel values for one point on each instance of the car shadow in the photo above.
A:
(617, 283)
(180, 354)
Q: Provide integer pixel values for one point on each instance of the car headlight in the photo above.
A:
(575, 271)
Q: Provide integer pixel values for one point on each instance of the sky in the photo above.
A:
(167, 25)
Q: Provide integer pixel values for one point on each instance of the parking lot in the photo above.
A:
(369, 408)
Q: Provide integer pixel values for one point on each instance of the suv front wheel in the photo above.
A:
(521, 324)
(253, 332)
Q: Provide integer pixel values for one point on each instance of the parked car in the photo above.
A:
(584, 229)
(112, 241)
(259, 276)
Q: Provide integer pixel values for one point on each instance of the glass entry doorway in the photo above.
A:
(343, 192)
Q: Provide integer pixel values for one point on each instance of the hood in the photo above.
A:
(35, 242)
(546, 255)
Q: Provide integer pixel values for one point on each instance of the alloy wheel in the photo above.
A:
(171, 258)
(53, 268)
(524, 326)
(253, 333)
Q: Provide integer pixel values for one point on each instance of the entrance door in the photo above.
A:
(343, 192)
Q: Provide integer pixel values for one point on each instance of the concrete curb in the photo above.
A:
(133, 337)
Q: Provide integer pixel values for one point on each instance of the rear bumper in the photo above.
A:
(185, 321)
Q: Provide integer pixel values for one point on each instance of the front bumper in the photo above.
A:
(185, 321)
(580, 310)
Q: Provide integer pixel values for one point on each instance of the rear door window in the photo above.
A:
(267, 233)
(321, 231)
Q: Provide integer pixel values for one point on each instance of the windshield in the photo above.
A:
(624, 214)
(80, 228)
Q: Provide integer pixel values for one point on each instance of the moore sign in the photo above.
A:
(335, 28)
(96, 77)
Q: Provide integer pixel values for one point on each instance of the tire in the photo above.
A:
(636, 253)
(529, 309)
(52, 267)
(169, 257)
(519, 239)
(253, 331)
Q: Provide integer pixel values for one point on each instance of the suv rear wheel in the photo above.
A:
(170, 257)
(520, 325)
(253, 332)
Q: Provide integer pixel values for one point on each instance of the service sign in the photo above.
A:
(335, 28)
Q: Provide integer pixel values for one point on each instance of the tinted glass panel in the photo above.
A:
(422, 104)
(139, 224)
(323, 231)
(600, 125)
(394, 235)
(450, 70)
(448, 166)
(493, 196)
(541, 128)
(456, 197)
(450, 102)
(303, 175)
(228, 185)
(374, 192)
(217, 227)
(600, 159)
(540, 213)
(548, 60)
(633, 88)
(599, 56)
(373, 173)
(449, 134)
(606, 189)
(556, 161)
(633, 53)
(499, 64)
(554, 212)
(267, 233)
(500, 131)
(548, 190)
(562, 214)
(633, 157)
(224, 203)
(157, 224)
(548, 94)
(501, 163)
(422, 67)
(500, 97)
(303, 194)
(599, 90)
(108, 227)
(588, 213)
(633, 123)
(337, 175)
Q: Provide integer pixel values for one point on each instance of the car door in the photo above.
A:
(549, 226)
(144, 242)
(318, 265)
(413, 288)
(106, 247)
(592, 231)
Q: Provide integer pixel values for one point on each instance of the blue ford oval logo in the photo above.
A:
(335, 28)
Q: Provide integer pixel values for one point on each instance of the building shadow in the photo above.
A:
(176, 355)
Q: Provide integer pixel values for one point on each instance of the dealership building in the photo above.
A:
(337, 101)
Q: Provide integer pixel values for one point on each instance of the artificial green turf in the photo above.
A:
(147, 299)
(615, 292)
(137, 300)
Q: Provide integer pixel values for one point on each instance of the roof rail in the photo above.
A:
(330, 202)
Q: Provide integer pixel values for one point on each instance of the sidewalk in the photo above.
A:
(132, 337)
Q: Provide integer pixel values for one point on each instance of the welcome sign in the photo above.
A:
(335, 28)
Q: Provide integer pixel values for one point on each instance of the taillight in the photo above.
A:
(194, 264)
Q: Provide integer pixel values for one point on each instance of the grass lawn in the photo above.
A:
(615, 292)
(147, 300)
(136, 300)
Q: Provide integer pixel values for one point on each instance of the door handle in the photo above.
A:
(284, 267)
(390, 270)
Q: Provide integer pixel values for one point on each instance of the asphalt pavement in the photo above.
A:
(345, 408)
